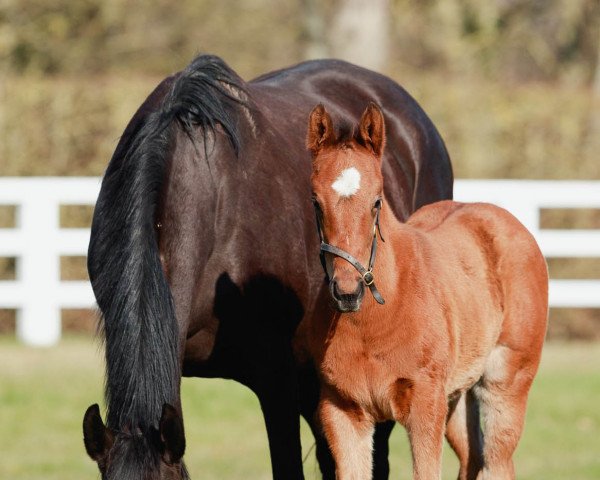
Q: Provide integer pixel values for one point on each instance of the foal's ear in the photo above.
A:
(97, 438)
(320, 129)
(372, 129)
(172, 436)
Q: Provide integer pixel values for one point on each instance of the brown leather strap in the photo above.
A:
(366, 274)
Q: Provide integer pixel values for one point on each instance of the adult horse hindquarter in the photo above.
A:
(463, 320)
(191, 256)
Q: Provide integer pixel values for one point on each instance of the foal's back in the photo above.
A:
(481, 242)
(501, 241)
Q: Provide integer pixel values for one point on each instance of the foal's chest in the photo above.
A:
(364, 366)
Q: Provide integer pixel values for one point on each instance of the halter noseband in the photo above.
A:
(366, 273)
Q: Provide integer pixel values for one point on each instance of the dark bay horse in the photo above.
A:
(456, 322)
(200, 255)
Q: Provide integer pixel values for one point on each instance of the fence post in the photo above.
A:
(38, 268)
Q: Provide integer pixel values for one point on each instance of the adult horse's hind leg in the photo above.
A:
(464, 435)
(381, 450)
(502, 393)
(277, 392)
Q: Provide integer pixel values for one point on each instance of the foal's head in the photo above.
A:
(347, 189)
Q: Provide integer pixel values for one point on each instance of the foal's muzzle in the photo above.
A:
(347, 302)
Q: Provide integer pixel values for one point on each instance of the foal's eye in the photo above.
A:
(377, 204)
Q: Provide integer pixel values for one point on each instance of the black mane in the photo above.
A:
(138, 317)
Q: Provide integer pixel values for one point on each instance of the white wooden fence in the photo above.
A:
(38, 242)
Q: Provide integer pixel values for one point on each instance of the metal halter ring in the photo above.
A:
(368, 277)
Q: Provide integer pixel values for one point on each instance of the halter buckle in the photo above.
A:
(368, 278)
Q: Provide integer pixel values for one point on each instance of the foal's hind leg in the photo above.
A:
(349, 432)
(464, 435)
(502, 393)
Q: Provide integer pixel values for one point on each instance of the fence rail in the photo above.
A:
(37, 242)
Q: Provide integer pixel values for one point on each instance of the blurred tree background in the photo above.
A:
(512, 85)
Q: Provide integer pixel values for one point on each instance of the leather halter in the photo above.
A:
(366, 273)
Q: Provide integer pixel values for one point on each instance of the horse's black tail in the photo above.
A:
(138, 316)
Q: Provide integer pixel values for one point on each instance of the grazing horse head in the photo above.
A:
(155, 454)
(347, 186)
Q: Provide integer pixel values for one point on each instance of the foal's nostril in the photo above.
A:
(334, 290)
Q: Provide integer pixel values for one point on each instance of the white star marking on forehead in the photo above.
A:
(348, 183)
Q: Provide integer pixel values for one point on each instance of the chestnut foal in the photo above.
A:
(465, 288)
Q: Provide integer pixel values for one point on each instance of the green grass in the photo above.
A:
(44, 393)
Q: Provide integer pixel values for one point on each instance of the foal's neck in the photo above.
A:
(397, 253)
(391, 224)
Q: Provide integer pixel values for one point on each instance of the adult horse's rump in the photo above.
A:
(199, 251)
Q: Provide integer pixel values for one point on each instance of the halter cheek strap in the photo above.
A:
(366, 273)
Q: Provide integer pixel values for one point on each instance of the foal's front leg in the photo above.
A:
(349, 432)
(425, 425)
